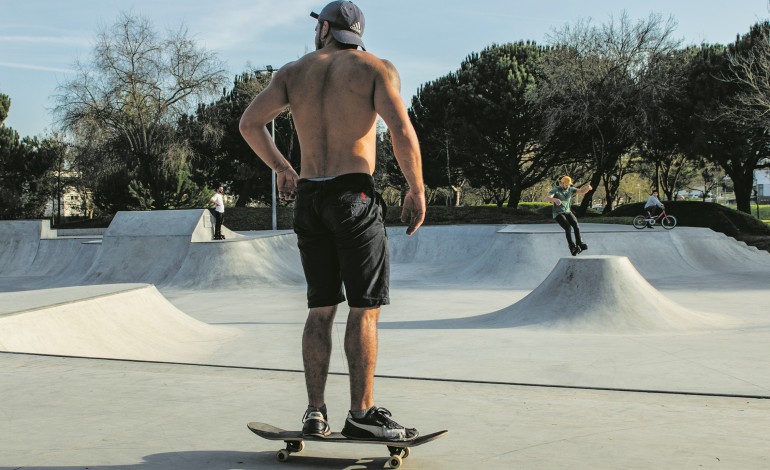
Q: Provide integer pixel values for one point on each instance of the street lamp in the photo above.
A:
(269, 69)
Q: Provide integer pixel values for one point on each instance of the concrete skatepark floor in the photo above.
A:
(656, 359)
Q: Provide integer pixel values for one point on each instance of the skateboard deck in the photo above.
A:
(294, 440)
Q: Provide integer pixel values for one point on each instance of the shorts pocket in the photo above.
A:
(353, 203)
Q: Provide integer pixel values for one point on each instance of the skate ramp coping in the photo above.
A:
(130, 321)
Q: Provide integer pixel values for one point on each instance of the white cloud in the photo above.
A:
(45, 40)
(232, 23)
(44, 68)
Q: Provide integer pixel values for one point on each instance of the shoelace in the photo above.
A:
(385, 414)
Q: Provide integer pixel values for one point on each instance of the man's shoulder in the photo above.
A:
(354, 57)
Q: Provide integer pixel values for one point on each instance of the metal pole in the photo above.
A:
(275, 202)
(270, 70)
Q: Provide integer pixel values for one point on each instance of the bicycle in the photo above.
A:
(666, 221)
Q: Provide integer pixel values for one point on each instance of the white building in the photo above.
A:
(762, 180)
(72, 204)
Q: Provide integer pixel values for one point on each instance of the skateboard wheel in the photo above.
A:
(394, 461)
(282, 455)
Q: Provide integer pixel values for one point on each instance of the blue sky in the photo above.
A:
(41, 39)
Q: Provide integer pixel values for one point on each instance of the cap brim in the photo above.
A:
(314, 14)
(348, 37)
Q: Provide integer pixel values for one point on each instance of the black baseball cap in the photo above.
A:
(346, 21)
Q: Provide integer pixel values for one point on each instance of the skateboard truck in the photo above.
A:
(397, 454)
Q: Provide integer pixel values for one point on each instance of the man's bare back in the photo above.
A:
(331, 95)
(335, 95)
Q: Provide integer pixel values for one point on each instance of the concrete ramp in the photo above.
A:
(149, 246)
(600, 294)
(117, 321)
(247, 262)
(19, 240)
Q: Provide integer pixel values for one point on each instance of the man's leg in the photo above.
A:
(218, 225)
(561, 219)
(365, 421)
(576, 227)
(316, 352)
(361, 351)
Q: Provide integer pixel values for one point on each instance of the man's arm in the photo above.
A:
(585, 189)
(552, 199)
(253, 126)
(389, 105)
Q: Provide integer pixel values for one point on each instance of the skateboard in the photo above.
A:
(294, 440)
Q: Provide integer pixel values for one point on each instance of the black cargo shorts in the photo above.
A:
(342, 241)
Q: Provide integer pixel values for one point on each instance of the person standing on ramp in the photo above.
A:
(561, 198)
(335, 94)
(219, 212)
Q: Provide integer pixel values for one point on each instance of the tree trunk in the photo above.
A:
(596, 178)
(514, 197)
(743, 189)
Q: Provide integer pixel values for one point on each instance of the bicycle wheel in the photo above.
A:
(668, 222)
(640, 222)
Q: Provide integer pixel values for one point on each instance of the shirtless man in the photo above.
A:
(335, 94)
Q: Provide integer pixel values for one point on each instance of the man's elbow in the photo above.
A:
(246, 127)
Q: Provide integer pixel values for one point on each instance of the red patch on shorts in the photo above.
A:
(363, 196)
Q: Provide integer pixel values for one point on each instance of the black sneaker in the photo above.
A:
(315, 423)
(377, 425)
(583, 246)
(574, 250)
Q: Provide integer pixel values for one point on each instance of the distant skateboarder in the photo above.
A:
(561, 198)
(653, 206)
(335, 94)
(219, 212)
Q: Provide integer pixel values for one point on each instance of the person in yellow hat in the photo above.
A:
(561, 198)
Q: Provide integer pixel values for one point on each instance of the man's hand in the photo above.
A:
(286, 181)
(557, 201)
(413, 211)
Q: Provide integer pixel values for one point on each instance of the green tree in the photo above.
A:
(25, 171)
(221, 156)
(5, 107)
(477, 126)
(438, 126)
(749, 69)
(123, 106)
(737, 145)
(596, 79)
